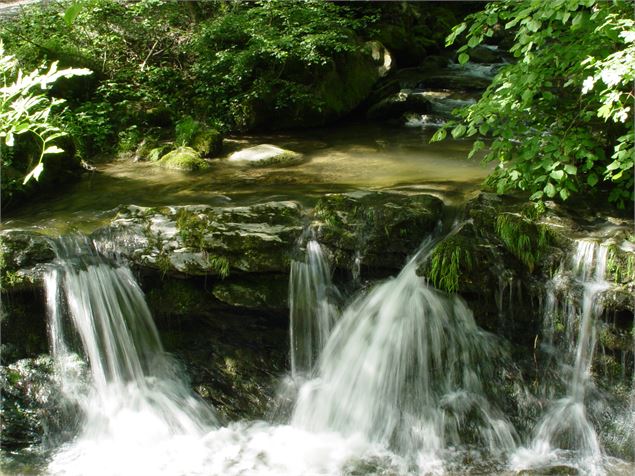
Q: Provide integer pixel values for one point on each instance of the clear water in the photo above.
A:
(313, 308)
(352, 156)
(565, 433)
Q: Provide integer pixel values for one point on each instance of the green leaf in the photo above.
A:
(537, 196)
(557, 175)
(592, 180)
(439, 135)
(35, 173)
(571, 169)
(464, 58)
(550, 190)
(458, 131)
(71, 13)
(52, 149)
(564, 193)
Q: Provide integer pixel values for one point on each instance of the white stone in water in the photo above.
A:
(265, 155)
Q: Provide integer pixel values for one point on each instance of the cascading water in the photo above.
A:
(404, 368)
(139, 416)
(312, 307)
(565, 435)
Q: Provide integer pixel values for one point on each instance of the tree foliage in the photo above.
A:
(560, 118)
(26, 109)
(269, 51)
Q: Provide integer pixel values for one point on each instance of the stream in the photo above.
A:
(386, 377)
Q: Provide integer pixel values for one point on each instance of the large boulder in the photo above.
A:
(265, 155)
(375, 229)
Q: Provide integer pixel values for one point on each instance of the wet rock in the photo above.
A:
(22, 254)
(268, 292)
(265, 155)
(233, 359)
(502, 257)
(486, 54)
(396, 105)
(550, 471)
(204, 240)
(453, 81)
(381, 228)
(183, 158)
(33, 403)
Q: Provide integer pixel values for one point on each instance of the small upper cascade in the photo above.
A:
(312, 307)
(135, 394)
(405, 368)
(572, 308)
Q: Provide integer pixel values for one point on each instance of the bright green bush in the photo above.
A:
(560, 119)
(25, 109)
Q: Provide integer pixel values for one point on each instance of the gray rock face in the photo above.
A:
(22, 254)
(204, 240)
(379, 229)
(265, 155)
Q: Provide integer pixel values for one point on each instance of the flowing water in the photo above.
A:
(313, 301)
(139, 416)
(404, 369)
(565, 434)
(403, 382)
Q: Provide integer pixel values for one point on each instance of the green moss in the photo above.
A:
(620, 266)
(174, 297)
(527, 241)
(449, 260)
(154, 155)
(183, 158)
(192, 229)
(207, 142)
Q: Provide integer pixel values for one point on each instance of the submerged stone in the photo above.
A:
(265, 155)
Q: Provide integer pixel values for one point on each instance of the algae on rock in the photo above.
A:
(183, 158)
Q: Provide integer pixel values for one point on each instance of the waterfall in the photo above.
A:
(138, 414)
(564, 433)
(405, 368)
(312, 307)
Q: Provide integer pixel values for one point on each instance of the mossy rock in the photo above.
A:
(33, 403)
(259, 292)
(207, 142)
(265, 155)
(155, 154)
(210, 241)
(21, 252)
(183, 158)
(381, 227)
